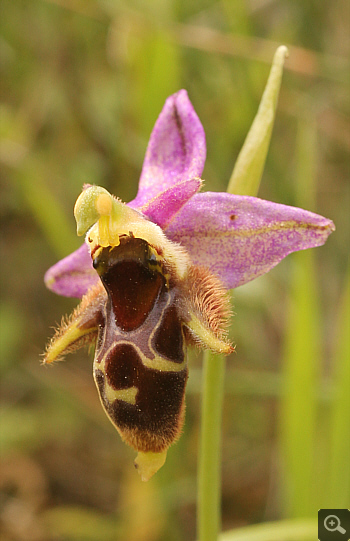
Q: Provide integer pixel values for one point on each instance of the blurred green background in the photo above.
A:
(82, 83)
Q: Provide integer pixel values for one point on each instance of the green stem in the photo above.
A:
(209, 475)
(245, 180)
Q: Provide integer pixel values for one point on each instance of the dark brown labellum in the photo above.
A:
(140, 366)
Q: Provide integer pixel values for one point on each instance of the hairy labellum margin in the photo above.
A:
(150, 304)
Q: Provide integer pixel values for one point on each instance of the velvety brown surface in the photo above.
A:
(168, 340)
(132, 287)
(159, 396)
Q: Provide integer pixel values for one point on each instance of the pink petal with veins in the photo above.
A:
(176, 150)
(73, 275)
(240, 238)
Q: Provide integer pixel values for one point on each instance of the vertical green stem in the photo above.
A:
(302, 350)
(245, 180)
(339, 429)
(209, 475)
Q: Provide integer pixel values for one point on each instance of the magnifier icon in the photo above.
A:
(332, 524)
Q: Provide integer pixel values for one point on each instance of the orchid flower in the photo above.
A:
(154, 275)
